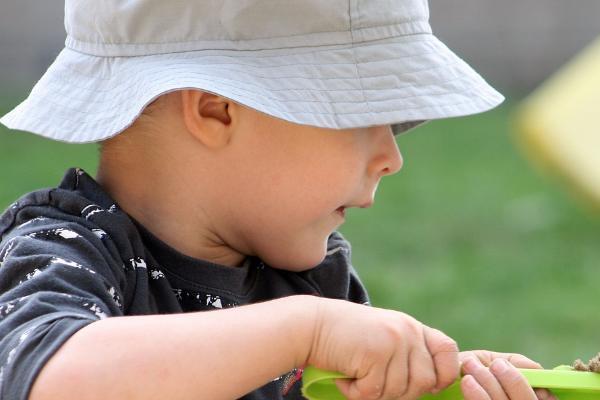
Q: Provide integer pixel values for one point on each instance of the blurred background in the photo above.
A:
(468, 237)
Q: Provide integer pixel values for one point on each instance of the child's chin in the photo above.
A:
(298, 262)
(297, 253)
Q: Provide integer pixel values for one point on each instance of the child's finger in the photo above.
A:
(352, 391)
(421, 373)
(484, 378)
(368, 387)
(544, 394)
(520, 361)
(486, 357)
(445, 355)
(472, 390)
(396, 381)
(513, 382)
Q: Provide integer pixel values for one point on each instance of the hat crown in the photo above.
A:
(142, 27)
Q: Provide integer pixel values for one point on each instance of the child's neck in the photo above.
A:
(153, 198)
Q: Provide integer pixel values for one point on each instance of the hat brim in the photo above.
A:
(398, 81)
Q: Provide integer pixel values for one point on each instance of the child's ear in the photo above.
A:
(206, 117)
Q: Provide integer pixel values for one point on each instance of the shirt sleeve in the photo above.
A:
(54, 280)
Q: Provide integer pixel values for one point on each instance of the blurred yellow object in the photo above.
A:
(559, 123)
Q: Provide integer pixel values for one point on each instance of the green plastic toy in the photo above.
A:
(563, 382)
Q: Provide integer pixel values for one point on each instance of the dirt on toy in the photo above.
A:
(592, 366)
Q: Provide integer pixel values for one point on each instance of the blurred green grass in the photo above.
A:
(467, 237)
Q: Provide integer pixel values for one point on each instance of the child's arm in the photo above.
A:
(226, 353)
(206, 355)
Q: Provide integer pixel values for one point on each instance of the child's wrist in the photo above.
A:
(309, 313)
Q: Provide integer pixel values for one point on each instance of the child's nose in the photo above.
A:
(387, 159)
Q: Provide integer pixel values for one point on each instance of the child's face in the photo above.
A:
(287, 185)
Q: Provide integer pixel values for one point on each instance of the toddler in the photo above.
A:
(203, 262)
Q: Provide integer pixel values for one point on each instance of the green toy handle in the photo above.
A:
(563, 381)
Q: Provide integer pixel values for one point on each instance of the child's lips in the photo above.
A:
(341, 211)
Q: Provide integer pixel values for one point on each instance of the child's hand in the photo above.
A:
(389, 354)
(490, 375)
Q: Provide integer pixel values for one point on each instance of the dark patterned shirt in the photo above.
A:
(69, 256)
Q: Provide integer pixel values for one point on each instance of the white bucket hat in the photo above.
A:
(333, 64)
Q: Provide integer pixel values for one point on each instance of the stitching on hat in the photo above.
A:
(128, 68)
(264, 96)
(485, 100)
(202, 73)
(304, 54)
(299, 51)
(75, 40)
(262, 90)
(471, 105)
(483, 94)
(357, 3)
(241, 54)
(201, 57)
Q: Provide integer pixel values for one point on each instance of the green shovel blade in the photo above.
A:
(562, 381)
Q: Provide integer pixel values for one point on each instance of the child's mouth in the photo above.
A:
(341, 211)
